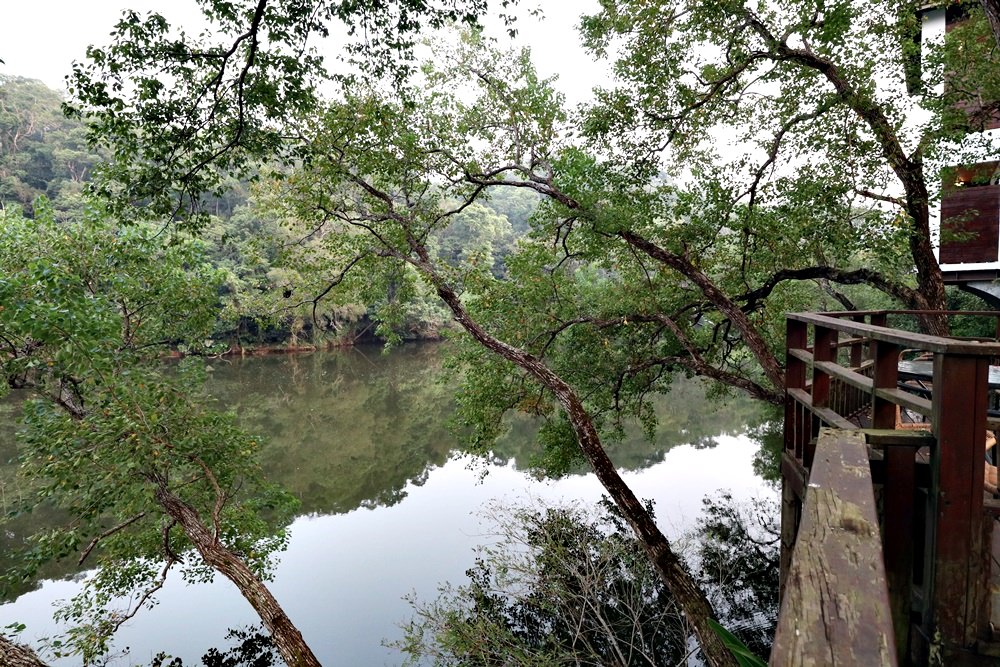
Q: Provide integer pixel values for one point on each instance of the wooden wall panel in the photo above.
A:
(970, 225)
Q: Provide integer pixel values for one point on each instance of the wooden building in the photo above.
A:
(966, 225)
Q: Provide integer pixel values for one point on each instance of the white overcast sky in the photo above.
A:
(40, 38)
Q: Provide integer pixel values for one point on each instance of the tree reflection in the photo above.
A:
(347, 429)
(353, 428)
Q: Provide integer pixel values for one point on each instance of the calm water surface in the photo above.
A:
(389, 506)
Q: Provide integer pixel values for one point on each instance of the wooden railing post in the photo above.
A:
(898, 493)
(959, 578)
(824, 349)
(876, 320)
(796, 425)
(858, 347)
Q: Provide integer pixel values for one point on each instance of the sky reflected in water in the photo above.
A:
(409, 527)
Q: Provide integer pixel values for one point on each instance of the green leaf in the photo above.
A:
(742, 654)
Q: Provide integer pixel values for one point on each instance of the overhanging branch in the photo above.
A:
(751, 300)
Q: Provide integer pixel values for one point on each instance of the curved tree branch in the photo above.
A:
(725, 305)
(875, 279)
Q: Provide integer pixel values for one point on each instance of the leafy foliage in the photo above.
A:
(179, 111)
(110, 431)
(571, 586)
(255, 649)
(560, 588)
(737, 552)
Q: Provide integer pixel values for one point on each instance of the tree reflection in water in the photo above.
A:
(358, 429)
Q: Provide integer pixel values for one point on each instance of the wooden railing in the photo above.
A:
(935, 524)
(835, 608)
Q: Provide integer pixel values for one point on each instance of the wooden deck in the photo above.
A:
(934, 555)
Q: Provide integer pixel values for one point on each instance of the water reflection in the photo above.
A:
(362, 439)
(351, 428)
(344, 429)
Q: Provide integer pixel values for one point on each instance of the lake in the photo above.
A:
(389, 506)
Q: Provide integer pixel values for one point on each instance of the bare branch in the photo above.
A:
(108, 533)
(876, 196)
(333, 283)
(220, 497)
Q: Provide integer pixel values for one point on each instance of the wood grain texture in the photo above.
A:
(835, 609)
(970, 225)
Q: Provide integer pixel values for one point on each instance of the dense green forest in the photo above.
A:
(263, 302)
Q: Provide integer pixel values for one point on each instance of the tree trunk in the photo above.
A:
(750, 334)
(992, 10)
(287, 638)
(909, 168)
(672, 571)
(16, 655)
(930, 282)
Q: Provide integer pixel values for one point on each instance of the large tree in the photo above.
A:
(818, 93)
(133, 455)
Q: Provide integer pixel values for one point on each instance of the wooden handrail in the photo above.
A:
(937, 344)
(835, 609)
(950, 313)
(935, 533)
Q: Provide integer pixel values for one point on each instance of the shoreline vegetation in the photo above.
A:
(291, 344)
(252, 350)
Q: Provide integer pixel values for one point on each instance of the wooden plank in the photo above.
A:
(907, 311)
(970, 224)
(833, 420)
(848, 342)
(801, 355)
(793, 487)
(846, 375)
(910, 401)
(827, 415)
(938, 344)
(794, 474)
(791, 510)
(887, 437)
(897, 495)
(801, 396)
(835, 609)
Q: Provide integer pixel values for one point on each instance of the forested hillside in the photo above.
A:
(42, 153)
(266, 299)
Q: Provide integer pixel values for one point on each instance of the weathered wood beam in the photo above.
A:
(961, 571)
(937, 344)
(835, 609)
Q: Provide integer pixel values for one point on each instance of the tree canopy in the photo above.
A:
(132, 453)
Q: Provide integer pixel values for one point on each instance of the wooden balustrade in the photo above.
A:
(842, 373)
